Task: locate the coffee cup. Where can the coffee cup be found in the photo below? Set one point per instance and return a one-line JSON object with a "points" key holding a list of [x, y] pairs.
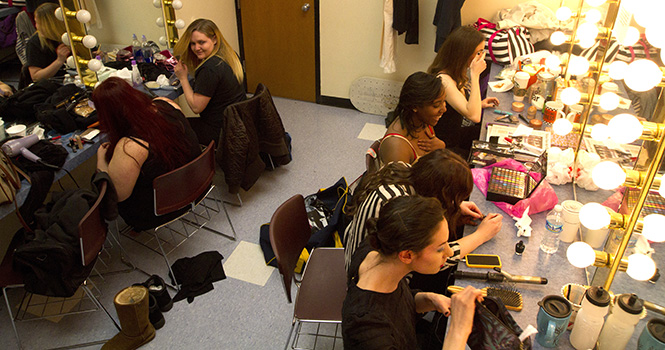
{"points": [[521, 81], [574, 293], [574, 113], [595, 238], [16, 130], [571, 220], [653, 335], [553, 111], [552, 319], [609, 87]]}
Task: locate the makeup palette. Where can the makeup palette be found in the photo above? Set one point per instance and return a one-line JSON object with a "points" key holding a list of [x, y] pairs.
{"points": [[511, 186]]}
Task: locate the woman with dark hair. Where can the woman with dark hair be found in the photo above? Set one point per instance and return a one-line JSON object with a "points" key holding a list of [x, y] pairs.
{"points": [[218, 76], [440, 174], [380, 310], [146, 138], [410, 135], [459, 63], [45, 54]]}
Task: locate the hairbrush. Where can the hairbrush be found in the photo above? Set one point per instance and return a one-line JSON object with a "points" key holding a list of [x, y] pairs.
{"points": [[512, 299]]}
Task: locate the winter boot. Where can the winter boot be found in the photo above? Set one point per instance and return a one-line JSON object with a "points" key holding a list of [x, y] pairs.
{"points": [[156, 317], [157, 287], [131, 305]]}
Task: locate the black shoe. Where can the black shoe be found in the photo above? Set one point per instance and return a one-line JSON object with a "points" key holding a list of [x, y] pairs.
{"points": [[156, 317], [157, 288]]}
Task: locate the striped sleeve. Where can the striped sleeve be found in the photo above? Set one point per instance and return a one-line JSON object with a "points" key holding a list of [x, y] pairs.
{"points": [[455, 258]]}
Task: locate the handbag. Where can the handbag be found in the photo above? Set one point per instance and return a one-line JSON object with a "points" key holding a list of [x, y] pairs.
{"points": [[494, 328], [9, 179], [504, 45], [616, 51]]}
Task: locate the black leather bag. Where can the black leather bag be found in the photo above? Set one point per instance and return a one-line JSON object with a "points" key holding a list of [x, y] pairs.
{"points": [[494, 328]]}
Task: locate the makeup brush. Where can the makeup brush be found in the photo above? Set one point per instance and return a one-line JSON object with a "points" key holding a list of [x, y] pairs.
{"points": [[511, 298]]}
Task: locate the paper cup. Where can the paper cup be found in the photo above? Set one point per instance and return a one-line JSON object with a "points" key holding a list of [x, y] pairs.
{"points": [[16, 130], [571, 220], [521, 83], [595, 238], [574, 293]]}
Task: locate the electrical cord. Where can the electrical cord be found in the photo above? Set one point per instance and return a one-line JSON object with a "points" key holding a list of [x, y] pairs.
{"points": [[55, 167]]}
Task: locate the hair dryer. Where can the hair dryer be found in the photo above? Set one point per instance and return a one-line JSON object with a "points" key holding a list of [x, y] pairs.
{"points": [[20, 146]]}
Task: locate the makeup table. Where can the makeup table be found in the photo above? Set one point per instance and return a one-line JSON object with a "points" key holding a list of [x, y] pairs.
{"points": [[534, 262]]}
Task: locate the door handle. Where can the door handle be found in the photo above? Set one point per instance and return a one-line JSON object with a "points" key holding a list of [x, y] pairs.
{"points": [[305, 7]]}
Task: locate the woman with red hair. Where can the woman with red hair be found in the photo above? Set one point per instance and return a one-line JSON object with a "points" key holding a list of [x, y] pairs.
{"points": [[146, 138]]}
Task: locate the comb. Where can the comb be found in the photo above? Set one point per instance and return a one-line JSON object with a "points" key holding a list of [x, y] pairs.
{"points": [[512, 299]]}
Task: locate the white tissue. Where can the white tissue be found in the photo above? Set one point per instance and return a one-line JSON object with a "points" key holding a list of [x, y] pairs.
{"points": [[124, 74], [163, 81], [528, 331], [523, 224]]}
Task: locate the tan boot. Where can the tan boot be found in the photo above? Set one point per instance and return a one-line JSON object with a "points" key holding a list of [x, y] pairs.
{"points": [[131, 304]]}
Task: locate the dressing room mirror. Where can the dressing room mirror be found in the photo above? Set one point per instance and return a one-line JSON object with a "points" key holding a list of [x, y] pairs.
{"points": [[122, 18]]}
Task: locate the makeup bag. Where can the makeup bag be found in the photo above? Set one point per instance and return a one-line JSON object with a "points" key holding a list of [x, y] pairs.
{"points": [[9, 180], [495, 328]]}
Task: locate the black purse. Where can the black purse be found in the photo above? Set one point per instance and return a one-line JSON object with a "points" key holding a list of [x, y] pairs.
{"points": [[494, 328]]}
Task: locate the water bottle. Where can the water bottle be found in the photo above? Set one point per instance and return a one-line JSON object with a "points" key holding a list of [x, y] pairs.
{"points": [[590, 318], [136, 75], [136, 49], [553, 227], [146, 49], [620, 324]]}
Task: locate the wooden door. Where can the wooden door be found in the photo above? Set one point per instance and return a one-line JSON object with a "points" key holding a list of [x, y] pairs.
{"points": [[279, 46]]}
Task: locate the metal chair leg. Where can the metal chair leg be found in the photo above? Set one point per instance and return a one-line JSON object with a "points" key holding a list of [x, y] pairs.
{"points": [[168, 264], [288, 340], [11, 317]]}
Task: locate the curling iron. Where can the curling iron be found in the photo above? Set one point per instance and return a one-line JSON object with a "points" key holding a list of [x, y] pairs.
{"points": [[20, 146], [500, 276]]}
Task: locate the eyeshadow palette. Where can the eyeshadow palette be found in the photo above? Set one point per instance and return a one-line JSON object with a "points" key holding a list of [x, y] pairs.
{"points": [[511, 186], [654, 204]]}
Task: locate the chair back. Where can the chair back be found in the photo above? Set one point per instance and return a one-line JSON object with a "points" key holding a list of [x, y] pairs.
{"points": [[93, 228], [182, 186], [289, 233]]}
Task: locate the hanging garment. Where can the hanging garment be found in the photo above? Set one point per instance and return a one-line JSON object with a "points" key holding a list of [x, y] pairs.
{"points": [[388, 39], [447, 17], [405, 19]]}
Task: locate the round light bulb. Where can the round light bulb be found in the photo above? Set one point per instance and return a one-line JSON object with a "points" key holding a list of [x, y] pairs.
{"points": [[562, 126], [58, 14], [162, 40], [640, 267], [648, 12], [643, 75], [595, 3], [563, 13], [600, 132], [587, 31], [95, 65], [71, 63], [157, 3], [557, 38], [570, 96], [594, 216], [586, 43], [65, 38], [609, 101], [624, 128], [580, 254], [160, 22], [631, 37], [618, 70], [654, 227], [592, 16], [655, 36], [83, 16], [180, 24], [177, 4], [608, 175], [89, 41], [578, 65], [553, 62]]}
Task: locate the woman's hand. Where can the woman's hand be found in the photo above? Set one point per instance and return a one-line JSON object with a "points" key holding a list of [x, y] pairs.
{"points": [[102, 164], [470, 209], [181, 71], [432, 144], [63, 52], [463, 305], [441, 303], [478, 65], [5, 90], [490, 102], [490, 226]]}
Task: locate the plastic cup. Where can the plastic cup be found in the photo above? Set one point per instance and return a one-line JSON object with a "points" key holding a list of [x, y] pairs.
{"points": [[17, 130]]}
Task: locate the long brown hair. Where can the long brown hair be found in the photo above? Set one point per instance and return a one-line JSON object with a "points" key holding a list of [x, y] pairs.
{"points": [[221, 49], [454, 55], [50, 28]]}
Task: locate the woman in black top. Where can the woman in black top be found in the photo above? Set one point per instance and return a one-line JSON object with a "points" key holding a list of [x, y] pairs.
{"points": [[218, 76], [45, 54], [380, 310], [146, 138]]}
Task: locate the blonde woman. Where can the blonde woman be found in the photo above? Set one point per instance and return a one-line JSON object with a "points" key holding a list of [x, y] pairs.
{"points": [[45, 54], [218, 76]]}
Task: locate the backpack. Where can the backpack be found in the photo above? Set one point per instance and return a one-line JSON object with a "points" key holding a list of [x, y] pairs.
{"points": [[62, 111]]}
